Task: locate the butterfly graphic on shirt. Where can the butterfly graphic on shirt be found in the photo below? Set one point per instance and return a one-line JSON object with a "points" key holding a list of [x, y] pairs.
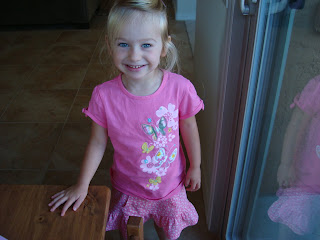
{"points": [[161, 157], [155, 181], [155, 130]]}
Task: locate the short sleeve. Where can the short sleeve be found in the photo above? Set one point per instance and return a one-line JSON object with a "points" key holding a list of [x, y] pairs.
{"points": [[309, 99], [191, 103], [96, 110]]}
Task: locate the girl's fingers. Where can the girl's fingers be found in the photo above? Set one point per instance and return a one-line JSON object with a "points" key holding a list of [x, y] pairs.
{"points": [[57, 194], [78, 203], [66, 206], [57, 204], [57, 198], [191, 187], [194, 186], [187, 182]]}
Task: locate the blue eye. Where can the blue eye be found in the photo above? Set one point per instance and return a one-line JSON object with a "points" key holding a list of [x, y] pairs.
{"points": [[146, 45], [123, 45]]}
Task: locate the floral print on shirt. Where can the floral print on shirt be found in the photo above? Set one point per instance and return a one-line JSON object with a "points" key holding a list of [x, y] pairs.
{"points": [[161, 133]]}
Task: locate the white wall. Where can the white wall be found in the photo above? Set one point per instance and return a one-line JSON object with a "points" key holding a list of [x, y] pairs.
{"points": [[185, 9], [209, 42]]}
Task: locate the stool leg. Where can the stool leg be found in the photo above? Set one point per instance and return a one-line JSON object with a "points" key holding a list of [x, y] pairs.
{"points": [[135, 228]]}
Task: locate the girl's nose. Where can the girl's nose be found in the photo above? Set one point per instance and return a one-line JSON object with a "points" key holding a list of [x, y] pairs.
{"points": [[134, 54]]}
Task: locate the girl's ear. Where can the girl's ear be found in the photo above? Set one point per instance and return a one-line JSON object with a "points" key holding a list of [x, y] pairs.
{"points": [[165, 47]]}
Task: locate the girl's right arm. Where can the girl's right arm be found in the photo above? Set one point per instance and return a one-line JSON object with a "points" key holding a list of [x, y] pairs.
{"points": [[94, 153]]}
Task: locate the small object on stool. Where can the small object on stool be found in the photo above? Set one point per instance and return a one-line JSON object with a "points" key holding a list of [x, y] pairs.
{"points": [[135, 228]]}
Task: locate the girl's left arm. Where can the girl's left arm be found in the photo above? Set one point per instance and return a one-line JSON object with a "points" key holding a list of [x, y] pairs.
{"points": [[190, 135]]}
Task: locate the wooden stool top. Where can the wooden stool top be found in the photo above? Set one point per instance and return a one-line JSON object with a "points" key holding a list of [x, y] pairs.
{"points": [[25, 214]]}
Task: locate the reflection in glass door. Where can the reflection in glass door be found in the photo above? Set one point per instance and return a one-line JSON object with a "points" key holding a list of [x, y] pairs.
{"points": [[277, 187]]}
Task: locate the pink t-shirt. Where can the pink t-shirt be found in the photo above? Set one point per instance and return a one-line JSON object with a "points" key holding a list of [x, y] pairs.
{"points": [[148, 159], [307, 157]]}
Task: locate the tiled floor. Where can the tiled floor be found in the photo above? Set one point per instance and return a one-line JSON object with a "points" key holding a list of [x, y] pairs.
{"points": [[46, 78]]}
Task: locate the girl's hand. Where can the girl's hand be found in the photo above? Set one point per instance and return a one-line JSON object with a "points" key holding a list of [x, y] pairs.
{"points": [[193, 179], [73, 194], [286, 176]]}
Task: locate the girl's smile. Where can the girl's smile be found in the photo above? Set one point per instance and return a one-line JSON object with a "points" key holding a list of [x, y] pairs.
{"points": [[135, 67]]}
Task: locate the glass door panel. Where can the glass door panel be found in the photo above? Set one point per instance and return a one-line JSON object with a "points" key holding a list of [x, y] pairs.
{"points": [[277, 189]]}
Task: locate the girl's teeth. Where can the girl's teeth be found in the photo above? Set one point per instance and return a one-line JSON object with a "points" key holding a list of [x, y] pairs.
{"points": [[135, 66]]}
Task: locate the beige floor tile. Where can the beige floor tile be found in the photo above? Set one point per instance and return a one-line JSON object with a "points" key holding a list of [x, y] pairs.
{"points": [[178, 31], [97, 73], [16, 55], [37, 39], [20, 177], [200, 230], [79, 37], [54, 177], [40, 106], [71, 54], [149, 231], [13, 77], [27, 145], [113, 235], [71, 147], [101, 54], [102, 177], [6, 97], [81, 101], [56, 76], [186, 61], [67, 178], [6, 39], [185, 53]]}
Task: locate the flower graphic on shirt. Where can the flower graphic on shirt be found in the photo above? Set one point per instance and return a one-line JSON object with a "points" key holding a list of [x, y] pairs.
{"points": [[171, 137], [154, 187], [175, 126], [158, 165], [161, 131], [161, 171], [148, 165], [170, 113], [161, 141]]}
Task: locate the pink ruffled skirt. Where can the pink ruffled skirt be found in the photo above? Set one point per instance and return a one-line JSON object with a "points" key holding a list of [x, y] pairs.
{"points": [[173, 214], [298, 209]]}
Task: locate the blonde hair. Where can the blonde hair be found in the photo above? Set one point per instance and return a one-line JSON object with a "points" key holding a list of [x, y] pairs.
{"points": [[123, 10]]}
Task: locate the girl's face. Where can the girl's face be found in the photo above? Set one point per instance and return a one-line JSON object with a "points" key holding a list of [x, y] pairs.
{"points": [[137, 50]]}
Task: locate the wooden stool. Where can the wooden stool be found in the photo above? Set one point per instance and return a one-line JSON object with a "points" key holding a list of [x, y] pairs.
{"points": [[25, 214], [135, 228]]}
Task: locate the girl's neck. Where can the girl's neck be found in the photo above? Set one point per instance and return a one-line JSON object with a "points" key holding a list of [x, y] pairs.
{"points": [[143, 87]]}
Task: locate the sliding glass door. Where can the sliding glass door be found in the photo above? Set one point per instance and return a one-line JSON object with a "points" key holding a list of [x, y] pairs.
{"points": [[276, 192]]}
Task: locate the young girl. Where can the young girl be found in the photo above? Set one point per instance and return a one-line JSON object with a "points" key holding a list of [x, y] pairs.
{"points": [[142, 111], [298, 205]]}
